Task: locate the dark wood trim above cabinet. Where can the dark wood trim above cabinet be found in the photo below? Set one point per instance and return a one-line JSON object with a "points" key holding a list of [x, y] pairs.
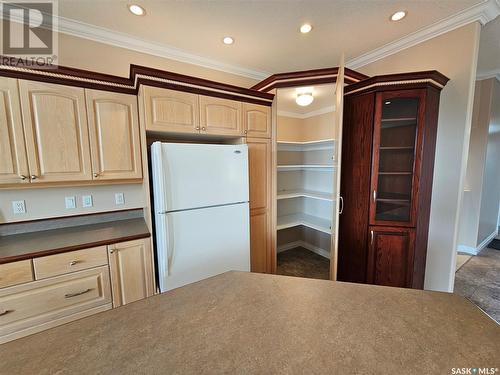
{"points": [[139, 75], [424, 79], [307, 77]]}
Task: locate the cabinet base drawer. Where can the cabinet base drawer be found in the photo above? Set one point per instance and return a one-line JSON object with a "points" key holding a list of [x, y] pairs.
{"points": [[35, 306], [15, 273], [60, 264]]}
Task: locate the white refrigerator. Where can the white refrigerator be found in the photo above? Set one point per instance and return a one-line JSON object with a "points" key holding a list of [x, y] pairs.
{"points": [[201, 211]]}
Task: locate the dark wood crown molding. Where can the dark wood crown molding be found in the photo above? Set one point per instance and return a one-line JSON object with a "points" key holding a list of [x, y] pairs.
{"points": [[139, 75], [307, 77], [391, 81]]}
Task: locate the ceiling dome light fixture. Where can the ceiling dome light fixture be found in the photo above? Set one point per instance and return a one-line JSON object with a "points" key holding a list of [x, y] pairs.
{"points": [[228, 40], [304, 96], [136, 9], [398, 16], [305, 28]]}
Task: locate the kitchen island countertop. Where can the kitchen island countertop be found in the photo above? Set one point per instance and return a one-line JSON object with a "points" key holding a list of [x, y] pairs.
{"points": [[241, 322]]}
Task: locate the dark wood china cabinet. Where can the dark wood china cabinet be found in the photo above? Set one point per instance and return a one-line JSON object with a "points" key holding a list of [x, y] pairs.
{"points": [[388, 146]]}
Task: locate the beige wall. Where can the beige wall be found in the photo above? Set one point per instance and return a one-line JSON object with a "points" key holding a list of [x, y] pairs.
{"points": [[490, 195], [455, 55], [471, 203], [86, 54], [291, 129]]}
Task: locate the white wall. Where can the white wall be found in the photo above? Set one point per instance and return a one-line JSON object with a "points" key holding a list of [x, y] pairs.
{"points": [[455, 55], [471, 204], [490, 196]]}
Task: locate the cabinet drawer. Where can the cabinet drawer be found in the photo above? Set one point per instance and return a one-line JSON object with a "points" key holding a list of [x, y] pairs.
{"points": [[15, 273], [35, 306], [59, 264]]}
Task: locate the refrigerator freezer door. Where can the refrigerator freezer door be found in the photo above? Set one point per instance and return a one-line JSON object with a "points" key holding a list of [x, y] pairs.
{"points": [[198, 175], [202, 243]]}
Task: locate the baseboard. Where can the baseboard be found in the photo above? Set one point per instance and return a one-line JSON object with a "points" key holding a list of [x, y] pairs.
{"points": [[291, 245], [475, 250]]}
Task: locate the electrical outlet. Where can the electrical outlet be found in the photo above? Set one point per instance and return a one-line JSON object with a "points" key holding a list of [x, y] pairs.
{"points": [[18, 207], [70, 202], [119, 198], [87, 201]]}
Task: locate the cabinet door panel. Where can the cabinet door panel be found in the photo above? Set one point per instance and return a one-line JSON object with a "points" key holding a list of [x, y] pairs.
{"points": [[55, 126], [171, 111], [397, 141], [259, 169], [220, 116], [13, 162], [114, 135], [259, 241], [257, 120], [131, 270], [390, 256], [259, 164]]}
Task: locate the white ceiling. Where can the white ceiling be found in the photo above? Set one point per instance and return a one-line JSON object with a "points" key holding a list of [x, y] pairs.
{"points": [[323, 98], [266, 34]]}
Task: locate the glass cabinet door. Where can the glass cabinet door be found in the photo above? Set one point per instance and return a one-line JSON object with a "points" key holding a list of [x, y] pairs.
{"points": [[394, 160]]}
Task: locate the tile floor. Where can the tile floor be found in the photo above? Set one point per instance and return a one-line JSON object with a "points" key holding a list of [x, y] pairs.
{"points": [[479, 281], [301, 262]]}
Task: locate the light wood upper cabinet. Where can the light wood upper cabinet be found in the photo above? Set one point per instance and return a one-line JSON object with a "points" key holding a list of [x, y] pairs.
{"points": [[114, 135], [220, 116], [257, 120], [171, 111], [131, 270], [13, 162], [55, 127]]}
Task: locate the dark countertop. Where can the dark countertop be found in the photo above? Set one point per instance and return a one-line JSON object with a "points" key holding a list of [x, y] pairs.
{"points": [[35, 244], [252, 323]]}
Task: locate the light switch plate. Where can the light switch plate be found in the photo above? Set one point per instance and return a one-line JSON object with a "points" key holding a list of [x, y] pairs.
{"points": [[18, 207], [119, 198], [70, 202], [87, 201]]}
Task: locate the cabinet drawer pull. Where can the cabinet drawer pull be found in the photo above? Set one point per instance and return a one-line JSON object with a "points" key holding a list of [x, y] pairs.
{"points": [[6, 312], [374, 195], [371, 237], [70, 295], [73, 262]]}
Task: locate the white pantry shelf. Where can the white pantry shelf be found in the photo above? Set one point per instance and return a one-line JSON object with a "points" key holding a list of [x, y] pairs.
{"points": [[289, 221], [287, 194], [322, 144], [298, 167]]}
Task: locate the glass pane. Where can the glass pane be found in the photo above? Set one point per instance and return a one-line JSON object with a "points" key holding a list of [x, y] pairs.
{"points": [[396, 157]]}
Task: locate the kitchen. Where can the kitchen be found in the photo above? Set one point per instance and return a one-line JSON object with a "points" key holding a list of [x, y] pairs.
{"points": [[139, 211]]}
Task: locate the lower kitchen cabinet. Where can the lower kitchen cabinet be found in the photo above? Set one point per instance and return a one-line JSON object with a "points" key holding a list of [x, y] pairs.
{"points": [[131, 270], [390, 256], [33, 307]]}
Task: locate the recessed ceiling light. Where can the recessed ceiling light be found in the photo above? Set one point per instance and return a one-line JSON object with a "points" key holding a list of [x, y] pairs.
{"points": [[305, 28], [136, 9], [399, 15], [304, 96], [228, 40]]}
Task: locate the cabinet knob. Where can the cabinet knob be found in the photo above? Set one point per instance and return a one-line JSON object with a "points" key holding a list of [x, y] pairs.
{"points": [[203, 128], [96, 174], [23, 177], [111, 251], [33, 177], [197, 128], [246, 131]]}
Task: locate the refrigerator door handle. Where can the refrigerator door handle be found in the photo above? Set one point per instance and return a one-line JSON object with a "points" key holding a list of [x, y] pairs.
{"points": [[170, 245]]}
